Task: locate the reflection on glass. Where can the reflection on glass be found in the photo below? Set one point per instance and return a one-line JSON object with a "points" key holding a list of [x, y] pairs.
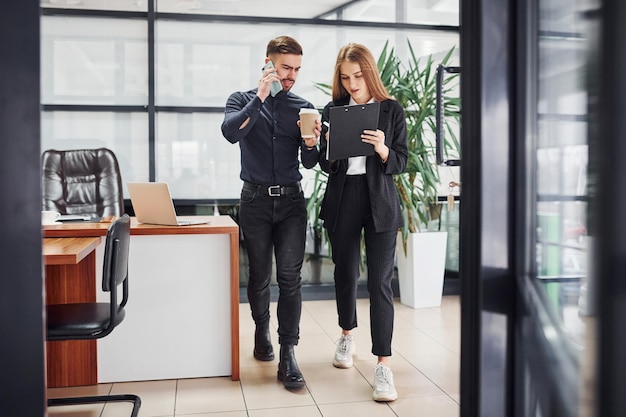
{"points": [[562, 158], [562, 242], [450, 223]]}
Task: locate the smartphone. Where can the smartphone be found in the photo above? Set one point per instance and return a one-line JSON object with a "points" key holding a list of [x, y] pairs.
{"points": [[275, 86]]}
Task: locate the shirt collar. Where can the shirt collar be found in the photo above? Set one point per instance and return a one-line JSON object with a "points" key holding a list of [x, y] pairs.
{"points": [[352, 102]]}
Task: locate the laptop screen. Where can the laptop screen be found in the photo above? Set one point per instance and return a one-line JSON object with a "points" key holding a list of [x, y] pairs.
{"points": [[152, 203]]}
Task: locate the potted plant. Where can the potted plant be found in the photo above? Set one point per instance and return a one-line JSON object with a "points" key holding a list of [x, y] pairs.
{"points": [[414, 86], [316, 225], [421, 256]]}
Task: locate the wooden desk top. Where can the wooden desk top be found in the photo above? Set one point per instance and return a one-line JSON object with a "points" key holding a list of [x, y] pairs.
{"points": [[68, 250], [215, 225]]}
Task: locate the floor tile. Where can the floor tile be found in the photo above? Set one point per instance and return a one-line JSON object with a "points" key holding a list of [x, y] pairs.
{"points": [[219, 414], [425, 364], [422, 317], [90, 410], [408, 380], [442, 368], [450, 337], [416, 343], [357, 409], [433, 406], [157, 397], [309, 411], [246, 350], [319, 349], [117, 409], [100, 389], [261, 389], [87, 410], [330, 385], [206, 395]]}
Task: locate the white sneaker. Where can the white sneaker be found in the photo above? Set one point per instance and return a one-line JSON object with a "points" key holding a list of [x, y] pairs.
{"points": [[383, 384], [343, 353]]}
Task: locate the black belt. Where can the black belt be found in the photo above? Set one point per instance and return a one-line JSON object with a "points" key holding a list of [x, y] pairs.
{"points": [[356, 178], [273, 190]]}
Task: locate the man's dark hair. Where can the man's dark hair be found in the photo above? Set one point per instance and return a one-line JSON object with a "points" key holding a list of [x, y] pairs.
{"points": [[283, 45]]}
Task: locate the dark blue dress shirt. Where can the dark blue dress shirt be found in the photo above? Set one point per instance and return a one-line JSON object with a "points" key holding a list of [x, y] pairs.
{"points": [[271, 139]]}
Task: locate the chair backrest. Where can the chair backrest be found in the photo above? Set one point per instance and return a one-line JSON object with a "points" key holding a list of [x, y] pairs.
{"points": [[115, 264], [93, 320], [82, 181]]}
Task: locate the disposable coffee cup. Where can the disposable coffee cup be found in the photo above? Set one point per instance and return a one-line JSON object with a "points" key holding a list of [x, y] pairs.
{"points": [[49, 217], [307, 122]]}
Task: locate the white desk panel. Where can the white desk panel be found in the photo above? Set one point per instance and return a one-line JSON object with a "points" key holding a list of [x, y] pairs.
{"points": [[177, 322]]}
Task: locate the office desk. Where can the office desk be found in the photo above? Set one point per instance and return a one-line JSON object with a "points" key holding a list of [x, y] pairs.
{"points": [[183, 306], [70, 277]]}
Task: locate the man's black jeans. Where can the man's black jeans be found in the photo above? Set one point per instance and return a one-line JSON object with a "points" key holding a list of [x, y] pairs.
{"points": [[275, 223]]}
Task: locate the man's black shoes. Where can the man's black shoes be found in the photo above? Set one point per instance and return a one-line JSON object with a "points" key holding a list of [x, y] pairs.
{"points": [[288, 372], [263, 350]]}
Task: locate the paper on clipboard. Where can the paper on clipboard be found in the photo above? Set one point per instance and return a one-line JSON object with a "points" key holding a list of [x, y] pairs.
{"points": [[347, 124]]}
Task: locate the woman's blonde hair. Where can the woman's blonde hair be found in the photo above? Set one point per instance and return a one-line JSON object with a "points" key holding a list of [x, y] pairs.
{"points": [[357, 53]]}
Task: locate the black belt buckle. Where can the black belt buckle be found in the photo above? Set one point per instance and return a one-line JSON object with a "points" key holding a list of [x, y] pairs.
{"points": [[274, 190]]}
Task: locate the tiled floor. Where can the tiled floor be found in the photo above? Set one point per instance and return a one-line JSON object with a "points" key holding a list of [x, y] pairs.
{"points": [[425, 363]]}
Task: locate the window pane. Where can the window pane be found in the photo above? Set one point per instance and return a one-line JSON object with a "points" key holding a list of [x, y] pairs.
{"points": [[562, 239], [562, 160], [194, 158], [85, 62], [201, 63], [562, 171], [124, 133], [198, 162]]}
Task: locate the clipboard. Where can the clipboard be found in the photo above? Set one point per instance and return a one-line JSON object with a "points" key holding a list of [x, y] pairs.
{"points": [[347, 123]]}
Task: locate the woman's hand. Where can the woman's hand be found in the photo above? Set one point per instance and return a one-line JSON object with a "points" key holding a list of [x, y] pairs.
{"points": [[377, 139]]}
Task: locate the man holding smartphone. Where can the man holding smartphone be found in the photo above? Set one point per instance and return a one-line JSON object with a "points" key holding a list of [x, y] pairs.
{"points": [[272, 216]]}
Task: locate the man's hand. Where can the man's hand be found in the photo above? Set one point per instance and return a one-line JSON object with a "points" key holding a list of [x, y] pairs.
{"points": [[266, 79]]}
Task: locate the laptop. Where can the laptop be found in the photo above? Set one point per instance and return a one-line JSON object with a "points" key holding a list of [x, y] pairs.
{"points": [[153, 204]]}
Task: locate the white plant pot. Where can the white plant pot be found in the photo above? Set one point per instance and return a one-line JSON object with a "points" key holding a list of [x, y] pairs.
{"points": [[420, 274]]}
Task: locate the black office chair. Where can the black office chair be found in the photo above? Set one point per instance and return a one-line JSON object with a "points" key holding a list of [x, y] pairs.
{"points": [[82, 181], [83, 321]]}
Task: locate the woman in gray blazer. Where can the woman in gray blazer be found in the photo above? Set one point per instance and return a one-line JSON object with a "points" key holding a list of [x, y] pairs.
{"points": [[361, 196]]}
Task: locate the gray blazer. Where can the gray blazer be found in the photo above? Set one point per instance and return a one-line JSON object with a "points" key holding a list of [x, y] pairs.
{"points": [[384, 202]]}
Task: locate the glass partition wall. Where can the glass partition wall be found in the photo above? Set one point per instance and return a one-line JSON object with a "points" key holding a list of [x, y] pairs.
{"points": [[528, 345], [561, 160], [557, 369], [149, 80]]}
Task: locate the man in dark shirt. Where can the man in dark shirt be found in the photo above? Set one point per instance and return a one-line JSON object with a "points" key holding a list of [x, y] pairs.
{"points": [[272, 216]]}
